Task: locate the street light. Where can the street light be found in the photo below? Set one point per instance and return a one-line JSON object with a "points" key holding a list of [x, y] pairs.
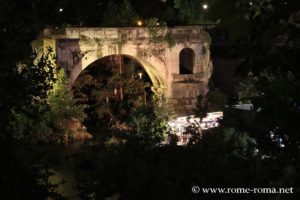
{"points": [[140, 75], [139, 23], [61, 9], [205, 6]]}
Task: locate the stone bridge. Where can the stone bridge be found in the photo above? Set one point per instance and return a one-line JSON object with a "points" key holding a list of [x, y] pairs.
{"points": [[176, 59]]}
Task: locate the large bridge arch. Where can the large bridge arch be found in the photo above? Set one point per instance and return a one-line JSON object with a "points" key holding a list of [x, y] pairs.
{"points": [[159, 54], [159, 85]]}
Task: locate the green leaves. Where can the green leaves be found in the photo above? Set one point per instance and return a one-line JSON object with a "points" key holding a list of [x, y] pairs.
{"points": [[149, 124], [190, 11], [62, 105], [259, 31], [119, 14], [177, 3], [240, 143], [48, 103], [39, 76]]}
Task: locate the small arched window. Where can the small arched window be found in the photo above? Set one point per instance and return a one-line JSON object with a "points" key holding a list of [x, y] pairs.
{"points": [[186, 61]]}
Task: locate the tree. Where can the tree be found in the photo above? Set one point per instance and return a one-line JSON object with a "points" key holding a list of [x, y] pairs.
{"points": [[263, 33], [25, 119], [278, 97], [49, 105], [101, 86], [190, 11], [131, 171], [119, 14], [149, 123], [62, 105]]}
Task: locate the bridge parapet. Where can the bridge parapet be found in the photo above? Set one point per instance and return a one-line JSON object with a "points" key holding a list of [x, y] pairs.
{"points": [[186, 33]]}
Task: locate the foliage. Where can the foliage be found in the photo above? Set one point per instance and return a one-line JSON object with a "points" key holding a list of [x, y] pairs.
{"points": [[246, 88], [278, 97], [28, 122], [62, 106], [51, 103], [119, 14], [274, 96], [39, 76], [28, 84], [214, 100], [29, 126], [170, 40], [61, 102], [23, 178], [269, 26], [273, 123], [190, 11], [272, 86], [201, 107], [155, 31], [131, 171], [25, 82], [109, 95], [265, 34], [240, 143], [149, 123]]}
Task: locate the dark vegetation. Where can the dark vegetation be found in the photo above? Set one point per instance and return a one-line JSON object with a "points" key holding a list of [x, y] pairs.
{"points": [[264, 36], [112, 88]]}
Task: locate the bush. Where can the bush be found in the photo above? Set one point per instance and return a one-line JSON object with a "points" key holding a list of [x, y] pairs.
{"points": [[149, 123], [42, 121]]}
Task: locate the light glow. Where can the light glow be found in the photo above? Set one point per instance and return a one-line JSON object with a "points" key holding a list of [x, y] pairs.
{"points": [[139, 23], [204, 6], [179, 125], [140, 75]]}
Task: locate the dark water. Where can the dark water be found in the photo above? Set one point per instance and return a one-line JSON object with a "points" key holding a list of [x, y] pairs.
{"points": [[63, 170], [57, 158]]}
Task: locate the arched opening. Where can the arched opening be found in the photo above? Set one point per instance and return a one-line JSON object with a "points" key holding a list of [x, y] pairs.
{"points": [[186, 61], [112, 86]]}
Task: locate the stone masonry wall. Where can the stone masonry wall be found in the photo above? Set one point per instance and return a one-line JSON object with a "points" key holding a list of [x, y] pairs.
{"points": [[157, 50]]}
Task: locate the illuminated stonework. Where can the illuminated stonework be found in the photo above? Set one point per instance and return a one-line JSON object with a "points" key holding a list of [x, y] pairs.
{"points": [[157, 50]]}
